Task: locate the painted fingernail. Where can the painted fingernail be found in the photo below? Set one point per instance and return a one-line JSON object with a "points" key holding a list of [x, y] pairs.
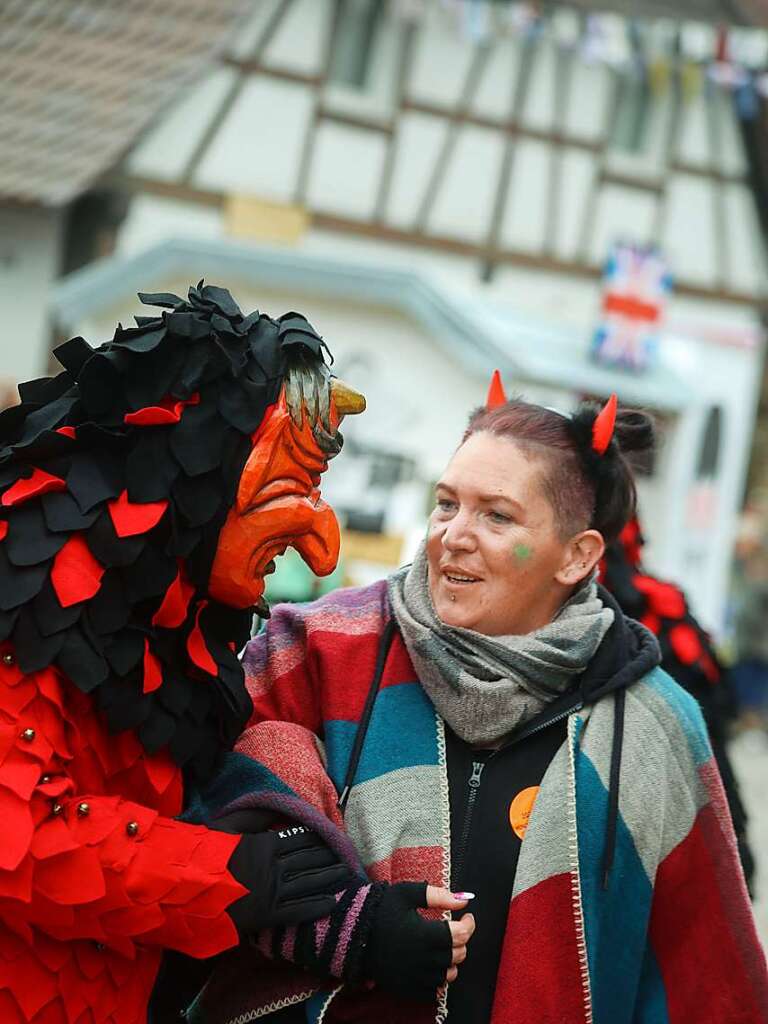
{"points": [[463, 895]]}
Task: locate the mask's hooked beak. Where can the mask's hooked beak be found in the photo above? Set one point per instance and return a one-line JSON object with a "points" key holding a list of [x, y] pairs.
{"points": [[345, 401]]}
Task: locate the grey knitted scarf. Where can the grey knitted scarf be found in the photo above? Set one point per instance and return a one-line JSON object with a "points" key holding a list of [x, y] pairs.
{"points": [[485, 686]]}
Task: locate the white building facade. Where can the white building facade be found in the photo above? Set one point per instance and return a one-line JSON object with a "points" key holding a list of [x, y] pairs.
{"points": [[440, 200]]}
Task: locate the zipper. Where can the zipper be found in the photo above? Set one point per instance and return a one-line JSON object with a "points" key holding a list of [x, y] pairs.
{"points": [[474, 785], [476, 777], [525, 733]]}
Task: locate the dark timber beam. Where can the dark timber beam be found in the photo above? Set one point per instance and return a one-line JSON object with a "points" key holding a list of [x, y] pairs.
{"points": [[439, 243]]}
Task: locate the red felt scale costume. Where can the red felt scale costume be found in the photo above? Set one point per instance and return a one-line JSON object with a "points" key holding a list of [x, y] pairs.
{"points": [[119, 682], [96, 878]]}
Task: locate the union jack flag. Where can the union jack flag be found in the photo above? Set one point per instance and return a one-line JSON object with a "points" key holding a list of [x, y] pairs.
{"points": [[636, 284]]}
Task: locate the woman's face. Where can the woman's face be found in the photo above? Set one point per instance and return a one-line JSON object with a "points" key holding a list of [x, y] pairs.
{"points": [[497, 563]]}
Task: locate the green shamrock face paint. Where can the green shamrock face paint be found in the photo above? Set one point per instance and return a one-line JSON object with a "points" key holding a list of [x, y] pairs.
{"points": [[522, 552]]}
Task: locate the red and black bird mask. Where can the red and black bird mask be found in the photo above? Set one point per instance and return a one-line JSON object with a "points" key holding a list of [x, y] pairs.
{"points": [[144, 492]]}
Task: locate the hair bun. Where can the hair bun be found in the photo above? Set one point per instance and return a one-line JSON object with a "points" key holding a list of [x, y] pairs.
{"points": [[635, 431]]}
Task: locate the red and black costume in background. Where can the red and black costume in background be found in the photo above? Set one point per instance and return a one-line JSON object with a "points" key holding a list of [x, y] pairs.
{"points": [[687, 655], [119, 677]]}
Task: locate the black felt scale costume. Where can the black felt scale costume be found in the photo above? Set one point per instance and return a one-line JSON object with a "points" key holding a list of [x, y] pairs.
{"points": [[118, 671]]}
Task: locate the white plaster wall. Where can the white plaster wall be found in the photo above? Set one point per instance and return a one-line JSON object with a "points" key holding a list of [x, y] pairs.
{"points": [[151, 220], [441, 60], [693, 142], [539, 108], [419, 139], [346, 170], [622, 215], [164, 151], [494, 90], [525, 218], [258, 146], [29, 261], [464, 204], [300, 40]]}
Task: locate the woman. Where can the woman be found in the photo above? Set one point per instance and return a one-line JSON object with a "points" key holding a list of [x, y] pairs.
{"points": [[493, 727]]}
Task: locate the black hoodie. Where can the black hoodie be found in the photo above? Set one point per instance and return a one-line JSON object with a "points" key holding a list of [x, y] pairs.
{"points": [[484, 784]]}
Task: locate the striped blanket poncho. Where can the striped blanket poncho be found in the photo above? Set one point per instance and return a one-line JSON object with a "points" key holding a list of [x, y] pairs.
{"points": [[671, 940]]}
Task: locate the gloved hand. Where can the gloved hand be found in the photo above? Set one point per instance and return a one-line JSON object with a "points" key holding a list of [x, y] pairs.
{"points": [[374, 933], [290, 873], [406, 953]]}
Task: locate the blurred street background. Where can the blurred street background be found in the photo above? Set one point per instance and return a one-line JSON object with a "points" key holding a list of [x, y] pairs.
{"points": [[576, 194], [751, 765]]}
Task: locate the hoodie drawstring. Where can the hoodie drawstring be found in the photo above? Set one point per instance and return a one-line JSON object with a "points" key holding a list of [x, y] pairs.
{"points": [[365, 719]]}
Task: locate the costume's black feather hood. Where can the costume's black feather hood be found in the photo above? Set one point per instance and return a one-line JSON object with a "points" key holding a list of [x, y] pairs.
{"points": [[116, 477]]}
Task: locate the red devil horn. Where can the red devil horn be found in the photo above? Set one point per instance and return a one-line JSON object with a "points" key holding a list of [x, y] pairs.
{"points": [[496, 396], [602, 428]]}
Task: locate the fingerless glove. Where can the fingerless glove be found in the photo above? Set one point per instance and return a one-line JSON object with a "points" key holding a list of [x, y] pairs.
{"points": [[374, 933], [406, 953]]}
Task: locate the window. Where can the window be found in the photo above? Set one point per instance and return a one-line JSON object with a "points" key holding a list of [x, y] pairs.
{"points": [[387, 470], [629, 131], [709, 453], [356, 27]]}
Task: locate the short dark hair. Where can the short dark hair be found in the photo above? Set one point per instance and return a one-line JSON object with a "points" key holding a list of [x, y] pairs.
{"points": [[580, 498]]}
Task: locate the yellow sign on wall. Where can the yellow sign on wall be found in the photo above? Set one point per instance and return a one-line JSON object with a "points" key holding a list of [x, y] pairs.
{"points": [[260, 220]]}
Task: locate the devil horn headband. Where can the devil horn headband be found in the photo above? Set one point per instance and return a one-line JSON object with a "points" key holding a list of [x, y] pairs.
{"points": [[496, 395], [602, 429]]}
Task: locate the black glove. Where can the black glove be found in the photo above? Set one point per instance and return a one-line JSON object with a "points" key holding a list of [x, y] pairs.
{"points": [[374, 933], [405, 953], [291, 875]]}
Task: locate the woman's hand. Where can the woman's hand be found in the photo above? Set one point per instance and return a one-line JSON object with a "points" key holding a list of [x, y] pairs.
{"points": [[375, 934], [408, 954], [461, 930]]}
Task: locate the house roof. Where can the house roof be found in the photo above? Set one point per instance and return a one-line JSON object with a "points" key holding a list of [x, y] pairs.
{"points": [[81, 80], [479, 335]]}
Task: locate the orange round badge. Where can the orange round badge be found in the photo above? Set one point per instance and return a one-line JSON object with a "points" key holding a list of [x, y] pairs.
{"points": [[520, 810]]}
